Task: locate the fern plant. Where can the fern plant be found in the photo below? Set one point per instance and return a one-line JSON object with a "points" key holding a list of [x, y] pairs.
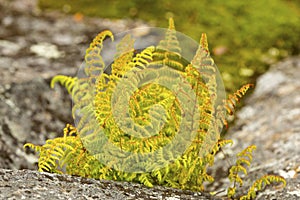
{"points": [[131, 123], [244, 159]]}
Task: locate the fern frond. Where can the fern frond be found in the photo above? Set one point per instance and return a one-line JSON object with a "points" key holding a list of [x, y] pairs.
{"points": [[142, 59], [260, 184], [231, 191], [203, 42], [58, 152], [36, 148], [123, 57], [243, 158], [98, 40], [158, 175], [54, 151], [124, 46], [69, 130], [168, 51], [247, 152], [170, 42], [221, 143], [144, 178], [221, 117], [233, 99], [202, 56], [93, 59], [66, 81]]}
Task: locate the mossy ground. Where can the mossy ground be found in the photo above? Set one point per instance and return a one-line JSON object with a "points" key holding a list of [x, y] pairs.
{"points": [[245, 37]]}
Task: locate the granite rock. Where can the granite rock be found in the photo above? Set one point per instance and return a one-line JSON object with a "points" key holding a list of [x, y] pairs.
{"points": [[27, 184]]}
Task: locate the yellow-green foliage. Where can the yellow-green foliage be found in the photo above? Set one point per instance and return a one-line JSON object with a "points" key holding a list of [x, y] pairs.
{"points": [[244, 159], [66, 81], [260, 183], [69, 153]]}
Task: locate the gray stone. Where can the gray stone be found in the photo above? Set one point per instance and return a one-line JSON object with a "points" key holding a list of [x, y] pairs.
{"points": [[8, 48], [46, 50], [26, 184]]}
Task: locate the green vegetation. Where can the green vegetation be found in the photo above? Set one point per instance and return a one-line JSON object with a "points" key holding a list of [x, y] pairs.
{"points": [[247, 36], [132, 127]]}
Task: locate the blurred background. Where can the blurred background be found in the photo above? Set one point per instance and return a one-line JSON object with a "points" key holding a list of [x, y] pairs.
{"points": [[245, 37]]}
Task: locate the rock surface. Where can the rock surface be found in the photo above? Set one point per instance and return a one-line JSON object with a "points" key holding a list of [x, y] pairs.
{"points": [[35, 46], [26, 184]]}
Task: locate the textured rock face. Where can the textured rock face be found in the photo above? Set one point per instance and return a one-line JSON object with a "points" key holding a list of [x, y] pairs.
{"points": [[26, 184], [31, 112]]}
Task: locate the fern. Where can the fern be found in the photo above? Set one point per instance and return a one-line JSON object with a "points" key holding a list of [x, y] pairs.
{"points": [[55, 153], [168, 51], [260, 183], [243, 158], [139, 116], [233, 99]]}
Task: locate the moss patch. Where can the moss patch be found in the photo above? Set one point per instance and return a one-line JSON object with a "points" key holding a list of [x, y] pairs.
{"points": [[245, 36]]}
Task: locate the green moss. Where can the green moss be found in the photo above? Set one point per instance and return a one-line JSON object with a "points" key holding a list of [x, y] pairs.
{"points": [[251, 34]]}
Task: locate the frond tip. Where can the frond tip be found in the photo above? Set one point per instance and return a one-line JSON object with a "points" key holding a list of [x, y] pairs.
{"points": [[66, 81], [203, 41], [98, 40], [171, 24], [232, 100]]}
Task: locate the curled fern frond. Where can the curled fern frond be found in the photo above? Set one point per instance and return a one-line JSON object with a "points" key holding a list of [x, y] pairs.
{"points": [[98, 40], [66, 81], [93, 59], [34, 147], [260, 184]]}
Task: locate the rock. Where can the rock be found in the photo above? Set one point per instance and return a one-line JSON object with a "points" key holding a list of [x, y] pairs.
{"points": [[8, 48], [46, 50], [26, 184]]}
